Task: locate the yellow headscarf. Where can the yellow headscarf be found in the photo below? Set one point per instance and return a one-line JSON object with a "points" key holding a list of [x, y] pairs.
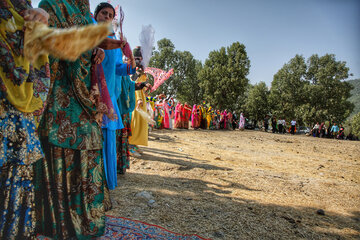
{"points": [[24, 67], [23, 84]]}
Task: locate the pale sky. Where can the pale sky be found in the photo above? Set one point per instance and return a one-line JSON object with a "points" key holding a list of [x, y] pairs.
{"points": [[273, 31]]}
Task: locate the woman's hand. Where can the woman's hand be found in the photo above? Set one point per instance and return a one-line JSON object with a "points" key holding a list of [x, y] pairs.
{"points": [[36, 15], [148, 86], [99, 55], [139, 103], [132, 62]]}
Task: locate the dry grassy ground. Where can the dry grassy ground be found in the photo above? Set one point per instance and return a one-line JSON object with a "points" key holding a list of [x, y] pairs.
{"points": [[244, 185]]}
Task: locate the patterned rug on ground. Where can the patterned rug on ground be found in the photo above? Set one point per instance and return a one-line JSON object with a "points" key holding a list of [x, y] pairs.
{"points": [[123, 228]]}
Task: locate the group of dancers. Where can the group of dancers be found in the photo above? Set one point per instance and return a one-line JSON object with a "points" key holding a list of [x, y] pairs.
{"points": [[168, 114], [69, 109]]}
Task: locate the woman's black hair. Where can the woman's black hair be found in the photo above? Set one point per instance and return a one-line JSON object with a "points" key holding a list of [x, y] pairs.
{"points": [[101, 6]]}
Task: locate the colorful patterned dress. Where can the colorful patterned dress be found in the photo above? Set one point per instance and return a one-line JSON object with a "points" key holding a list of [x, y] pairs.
{"points": [[70, 180], [23, 91], [122, 142], [179, 119], [158, 115], [194, 117], [186, 113]]}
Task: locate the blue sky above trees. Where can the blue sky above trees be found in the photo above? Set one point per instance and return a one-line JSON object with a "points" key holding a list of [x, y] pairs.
{"points": [[272, 31]]}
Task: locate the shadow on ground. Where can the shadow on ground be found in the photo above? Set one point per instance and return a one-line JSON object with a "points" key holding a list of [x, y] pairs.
{"points": [[160, 155], [195, 206]]}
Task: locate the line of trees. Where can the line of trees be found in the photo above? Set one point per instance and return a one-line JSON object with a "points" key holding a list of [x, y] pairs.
{"points": [[312, 90]]}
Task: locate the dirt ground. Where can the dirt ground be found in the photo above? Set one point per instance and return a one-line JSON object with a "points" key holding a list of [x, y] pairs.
{"points": [[244, 185]]}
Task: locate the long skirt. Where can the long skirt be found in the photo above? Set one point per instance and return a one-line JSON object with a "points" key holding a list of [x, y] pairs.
{"points": [[186, 122], [122, 142], [158, 120], [69, 193], [179, 123], [171, 123], [203, 123], [110, 157], [16, 202]]}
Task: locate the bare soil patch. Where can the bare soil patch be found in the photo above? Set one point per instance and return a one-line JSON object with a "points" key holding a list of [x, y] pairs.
{"points": [[244, 185]]}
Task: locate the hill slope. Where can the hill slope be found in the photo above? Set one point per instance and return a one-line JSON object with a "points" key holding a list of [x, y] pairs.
{"points": [[355, 98]]}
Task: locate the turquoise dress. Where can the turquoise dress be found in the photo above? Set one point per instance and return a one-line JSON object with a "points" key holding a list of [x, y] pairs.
{"points": [[126, 103], [70, 180], [114, 70]]}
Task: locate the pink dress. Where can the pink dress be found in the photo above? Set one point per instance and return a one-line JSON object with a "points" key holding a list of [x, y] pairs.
{"points": [[166, 115]]}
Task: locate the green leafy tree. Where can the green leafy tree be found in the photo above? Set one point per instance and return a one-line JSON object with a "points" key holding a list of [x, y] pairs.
{"points": [[313, 91], [184, 83], [190, 90], [328, 92], [257, 103], [355, 96], [164, 58], [287, 89], [355, 125], [224, 77]]}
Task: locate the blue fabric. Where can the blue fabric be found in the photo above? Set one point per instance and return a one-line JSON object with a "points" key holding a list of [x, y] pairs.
{"points": [[125, 89], [109, 155], [334, 128], [114, 71], [19, 148], [122, 69], [20, 143], [127, 97], [109, 65], [17, 194]]}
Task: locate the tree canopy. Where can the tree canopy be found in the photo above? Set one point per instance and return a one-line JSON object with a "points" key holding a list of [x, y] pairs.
{"points": [[310, 91], [184, 84], [355, 124], [224, 76], [257, 102], [355, 95]]}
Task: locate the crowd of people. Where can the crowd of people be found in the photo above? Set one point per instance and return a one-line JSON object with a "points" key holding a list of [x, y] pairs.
{"points": [[65, 119], [68, 125], [168, 114], [329, 130], [322, 130], [280, 125]]}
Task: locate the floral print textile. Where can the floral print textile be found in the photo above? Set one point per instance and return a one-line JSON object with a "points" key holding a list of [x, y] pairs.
{"points": [[70, 204], [122, 142], [70, 117], [16, 202], [70, 181], [23, 90]]}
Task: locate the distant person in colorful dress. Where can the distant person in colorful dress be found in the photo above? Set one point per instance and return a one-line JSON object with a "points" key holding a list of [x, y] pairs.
{"points": [[293, 126]]}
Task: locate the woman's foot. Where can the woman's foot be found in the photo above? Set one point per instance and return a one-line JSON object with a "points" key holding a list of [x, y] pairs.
{"points": [[134, 153]]}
